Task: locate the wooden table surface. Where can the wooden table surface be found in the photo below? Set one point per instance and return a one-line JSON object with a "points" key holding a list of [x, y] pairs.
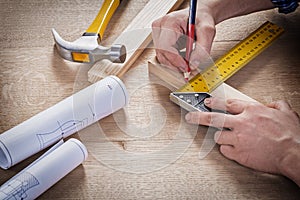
{"points": [[146, 150]]}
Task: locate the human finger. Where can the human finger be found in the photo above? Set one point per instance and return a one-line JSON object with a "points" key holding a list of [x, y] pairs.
{"points": [[280, 105], [225, 138], [165, 41], [168, 48], [205, 34], [228, 151], [233, 106], [170, 60], [156, 27], [218, 120]]}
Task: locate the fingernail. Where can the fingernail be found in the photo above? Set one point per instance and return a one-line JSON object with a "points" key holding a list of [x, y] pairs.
{"points": [[188, 117], [207, 101]]}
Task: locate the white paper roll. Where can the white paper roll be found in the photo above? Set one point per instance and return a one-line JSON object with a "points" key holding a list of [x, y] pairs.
{"points": [[45, 172], [61, 120]]}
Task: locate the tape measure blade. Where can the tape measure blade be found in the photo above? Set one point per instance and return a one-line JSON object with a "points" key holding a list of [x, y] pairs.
{"points": [[235, 59]]}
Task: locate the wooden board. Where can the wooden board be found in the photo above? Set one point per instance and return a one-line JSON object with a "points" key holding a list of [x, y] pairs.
{"points": [[34, 77], [176, 80], [135, 37]]}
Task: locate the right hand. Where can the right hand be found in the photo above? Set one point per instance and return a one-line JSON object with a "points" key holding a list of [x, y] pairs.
{"points": [[169, 37], [168, 31]]}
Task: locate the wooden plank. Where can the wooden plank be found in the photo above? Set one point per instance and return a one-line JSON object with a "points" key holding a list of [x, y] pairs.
{"points": [[34, 77], [135, 37], [176, 80]]}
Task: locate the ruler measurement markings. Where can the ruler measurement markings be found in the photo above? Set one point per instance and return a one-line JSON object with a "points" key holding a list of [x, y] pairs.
{"points": [[236, 58]]}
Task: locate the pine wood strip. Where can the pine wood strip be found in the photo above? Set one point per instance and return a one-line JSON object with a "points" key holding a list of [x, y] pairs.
{"points": [[176, 80], [135, 37]]}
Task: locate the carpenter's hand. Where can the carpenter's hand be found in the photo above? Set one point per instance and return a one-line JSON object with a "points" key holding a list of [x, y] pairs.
{"points": [[169, 31], [266, 138], [169, 37]]}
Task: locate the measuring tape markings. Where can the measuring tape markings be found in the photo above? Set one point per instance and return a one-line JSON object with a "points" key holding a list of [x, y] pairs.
{"points": [[240, 55]]}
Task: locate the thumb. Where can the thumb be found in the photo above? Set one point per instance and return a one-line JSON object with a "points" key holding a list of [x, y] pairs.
{"points": [[205, 35], [228, 151]]}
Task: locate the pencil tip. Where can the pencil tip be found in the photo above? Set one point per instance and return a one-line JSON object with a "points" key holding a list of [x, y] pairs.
{"points": [[186, 75]]}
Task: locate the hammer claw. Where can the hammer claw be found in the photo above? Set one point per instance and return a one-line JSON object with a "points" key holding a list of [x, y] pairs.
{"points": [[86, 48]]}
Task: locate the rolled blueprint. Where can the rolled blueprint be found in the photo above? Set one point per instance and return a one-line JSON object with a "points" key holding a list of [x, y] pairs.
{"points": [[61, 120], [45, 172]]}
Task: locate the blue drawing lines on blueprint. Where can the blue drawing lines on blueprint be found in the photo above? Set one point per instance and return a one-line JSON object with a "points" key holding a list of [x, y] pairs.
{"points": [[92, 111], [16, 188], [66, 128], [63, 129]]}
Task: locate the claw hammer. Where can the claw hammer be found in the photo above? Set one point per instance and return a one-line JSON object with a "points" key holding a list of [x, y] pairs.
{"points": [[87, 48]]}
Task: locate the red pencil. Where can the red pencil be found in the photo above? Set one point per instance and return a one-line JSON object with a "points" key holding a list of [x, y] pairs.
{"points": [[190, 36]]}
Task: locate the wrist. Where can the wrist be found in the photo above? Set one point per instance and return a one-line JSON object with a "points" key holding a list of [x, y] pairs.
{"points": [[225, 9], [289, 165]]}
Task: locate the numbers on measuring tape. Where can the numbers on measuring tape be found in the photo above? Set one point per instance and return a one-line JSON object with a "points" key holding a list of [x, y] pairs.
{"points": [[236, 58]]}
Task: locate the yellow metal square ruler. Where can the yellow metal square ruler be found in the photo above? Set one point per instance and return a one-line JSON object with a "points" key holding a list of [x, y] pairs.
{"points": [[191, 95]]}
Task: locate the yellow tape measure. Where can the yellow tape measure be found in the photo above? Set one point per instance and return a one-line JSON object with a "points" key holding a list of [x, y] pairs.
{"points": [[235, 59]]}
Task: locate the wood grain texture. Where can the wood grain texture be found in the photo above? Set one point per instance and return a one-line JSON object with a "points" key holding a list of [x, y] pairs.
{"points": [[135, 37], [33, 77]]}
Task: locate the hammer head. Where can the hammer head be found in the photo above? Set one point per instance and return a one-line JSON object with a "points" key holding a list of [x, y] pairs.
{"points": [[86, 49]]}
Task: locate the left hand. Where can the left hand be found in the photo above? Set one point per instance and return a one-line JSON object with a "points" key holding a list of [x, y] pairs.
{"points": [[260, 137]]}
